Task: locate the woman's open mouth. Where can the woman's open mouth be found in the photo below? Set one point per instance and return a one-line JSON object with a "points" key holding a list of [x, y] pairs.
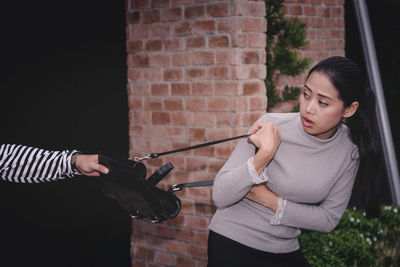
{"points": [[307, 122]]}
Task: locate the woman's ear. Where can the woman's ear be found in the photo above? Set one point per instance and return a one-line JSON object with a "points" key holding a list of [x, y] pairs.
{"points": [[350, 110]]}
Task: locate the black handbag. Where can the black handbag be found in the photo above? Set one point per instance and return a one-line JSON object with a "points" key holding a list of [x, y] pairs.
{"points": [[126, 183]]}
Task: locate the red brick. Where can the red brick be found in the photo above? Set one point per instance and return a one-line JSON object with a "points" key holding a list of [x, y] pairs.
{"points": [[144, 253], [133, 74], [204, 118], [202, 88], [197, 134], [134, 46], [182, 59], [139, 263], [251, 88], [218, 73], [199, 252], [224, 119], [204, 26], [218, 103], [177, 247], [227, 57], [139, 31], [185, 234], [218, 10], [160, 29], [182, 28], [150, 16], [165, 231], [181, 118], [309, 10], [135, 102], [195, 73], [172, 45], [195, 164], [218, 42], [139, 4], [139, 60], [194, 12], [173, 104], [153, 45], [294, 9], [337, 11], [195, 42], [195, 103], [160, 117], [165, 258], [180, 89], [159, 3], [185, 262], [172, 74], [204, 209], [258, 103], [253, 25], [205, 151], [250, 57], [203, 57], [202, 238], [152, 74], [226, 88], [227, 25], [257, 40], [132, 17], [160, 60], [171, 14], [256, 9], [154, 105], [330, 2], [323, 11]]}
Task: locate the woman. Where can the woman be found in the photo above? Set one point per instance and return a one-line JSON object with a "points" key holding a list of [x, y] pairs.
{"points": [[296, 170]]}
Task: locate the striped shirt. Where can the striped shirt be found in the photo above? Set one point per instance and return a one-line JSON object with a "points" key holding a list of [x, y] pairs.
{"points": [[23, 164]]}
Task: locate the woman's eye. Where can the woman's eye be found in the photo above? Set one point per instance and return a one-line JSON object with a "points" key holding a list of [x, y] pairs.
{"points": [[323, 104], [306, 96]]}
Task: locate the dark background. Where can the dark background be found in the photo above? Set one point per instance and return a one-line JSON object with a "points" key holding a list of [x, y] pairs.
{"points": [[384, 20], [63, 86]]}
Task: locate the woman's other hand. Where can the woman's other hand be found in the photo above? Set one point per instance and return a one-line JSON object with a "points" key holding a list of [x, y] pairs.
{"points": [[261, 194]]}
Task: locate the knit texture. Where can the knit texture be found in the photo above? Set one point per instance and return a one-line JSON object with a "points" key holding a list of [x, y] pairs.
{"points": [[314, 176]]}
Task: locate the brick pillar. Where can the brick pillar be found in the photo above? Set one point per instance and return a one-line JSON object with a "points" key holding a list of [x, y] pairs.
{"points": [[196, 71]]}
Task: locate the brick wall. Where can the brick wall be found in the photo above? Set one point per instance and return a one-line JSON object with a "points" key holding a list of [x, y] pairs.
{"points": [[325, 36], [195, 74]]}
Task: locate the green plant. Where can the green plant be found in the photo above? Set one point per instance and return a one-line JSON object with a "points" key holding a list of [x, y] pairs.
{"points": [[283, 38], [356, 241]]}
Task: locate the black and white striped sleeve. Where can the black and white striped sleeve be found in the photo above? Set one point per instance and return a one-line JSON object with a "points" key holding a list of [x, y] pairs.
{"points": [[23, 164]]}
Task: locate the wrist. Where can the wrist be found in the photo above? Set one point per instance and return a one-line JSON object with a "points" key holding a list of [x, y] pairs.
{"points": [[74, 159]]}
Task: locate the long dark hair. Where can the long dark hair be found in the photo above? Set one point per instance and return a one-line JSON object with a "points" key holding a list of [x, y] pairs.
{"points": [[351, 82]]}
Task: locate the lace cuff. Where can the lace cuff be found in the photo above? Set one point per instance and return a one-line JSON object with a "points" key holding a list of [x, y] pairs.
{"points": [[276, 219], [257, 178]]}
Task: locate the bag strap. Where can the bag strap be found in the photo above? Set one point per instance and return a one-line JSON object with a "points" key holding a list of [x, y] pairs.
{"points": [[179, 187], [163, 171], [156, 155]]}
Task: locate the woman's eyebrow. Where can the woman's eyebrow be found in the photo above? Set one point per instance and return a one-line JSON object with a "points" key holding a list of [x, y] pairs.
{"points": [[321, 95]]}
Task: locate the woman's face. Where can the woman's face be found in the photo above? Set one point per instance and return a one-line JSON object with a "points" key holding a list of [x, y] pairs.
{"points": [[321, 109]]}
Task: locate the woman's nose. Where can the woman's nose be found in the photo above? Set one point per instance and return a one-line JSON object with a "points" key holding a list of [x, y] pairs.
{"points": [[310, 108]]}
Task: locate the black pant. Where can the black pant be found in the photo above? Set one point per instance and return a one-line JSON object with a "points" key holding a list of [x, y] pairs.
{"points": [[223, 251]]}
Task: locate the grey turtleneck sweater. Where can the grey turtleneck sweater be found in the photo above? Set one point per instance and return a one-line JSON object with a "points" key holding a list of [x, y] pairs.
{"points": [[314, 177]]}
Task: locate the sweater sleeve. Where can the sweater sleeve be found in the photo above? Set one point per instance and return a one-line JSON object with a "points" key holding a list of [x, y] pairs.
{"points": [[23, 164], [325, 216]]}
